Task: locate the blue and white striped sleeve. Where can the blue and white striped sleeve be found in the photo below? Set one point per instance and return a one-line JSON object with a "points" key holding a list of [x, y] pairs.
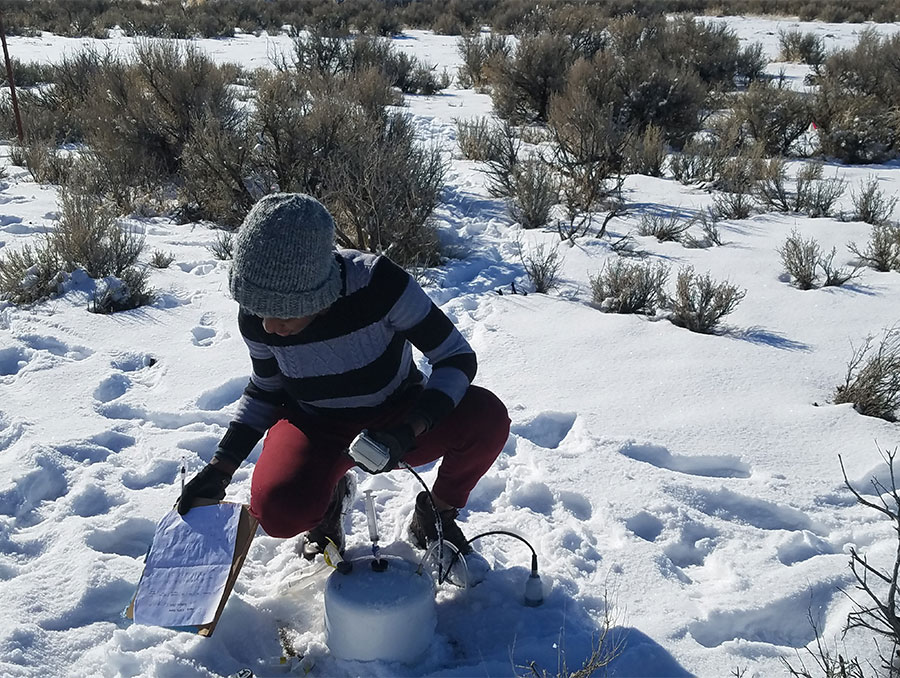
{"points": [[258, 406], [453, 362]]}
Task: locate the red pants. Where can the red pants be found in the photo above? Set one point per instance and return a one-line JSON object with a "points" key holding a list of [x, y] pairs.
{"points": [[304, 457]]}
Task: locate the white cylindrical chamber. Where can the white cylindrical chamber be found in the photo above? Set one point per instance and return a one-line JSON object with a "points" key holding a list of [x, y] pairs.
{"points": [[388, 615]]}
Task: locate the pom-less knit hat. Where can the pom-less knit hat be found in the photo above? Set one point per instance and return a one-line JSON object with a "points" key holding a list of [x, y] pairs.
{"points": [[284, 265]]}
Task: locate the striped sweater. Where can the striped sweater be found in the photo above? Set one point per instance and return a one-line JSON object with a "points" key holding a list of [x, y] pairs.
{"points": [[353, 357]]}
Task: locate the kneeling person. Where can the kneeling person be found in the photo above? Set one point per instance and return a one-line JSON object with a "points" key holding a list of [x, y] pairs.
{"points": [[330, 335]]}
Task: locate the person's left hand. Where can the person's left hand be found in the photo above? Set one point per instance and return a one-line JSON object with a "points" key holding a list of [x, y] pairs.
{"points": [[398, 440], [209, 484]]}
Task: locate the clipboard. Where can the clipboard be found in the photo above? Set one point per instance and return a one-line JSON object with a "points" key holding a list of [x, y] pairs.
{"points": [[246, 530]]}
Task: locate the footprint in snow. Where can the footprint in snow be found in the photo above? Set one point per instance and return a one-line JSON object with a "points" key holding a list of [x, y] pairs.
{"points": [[10, 432], [155, 473], [97, 448], [203, 336], [685, 545], [205, 333], [25, 492], [801, 546], [692, 544], [132, 362], [131, 537], [645, 525], [164, 420], [114, 386], [8, 220], [90, 501], [784, 622], [576, 504], [709, 466], [197, 267], [14, 359], [55, 347], [738, 508], [222, 395], [579, 545], [8, 571], [533, 495], [547, 429]]}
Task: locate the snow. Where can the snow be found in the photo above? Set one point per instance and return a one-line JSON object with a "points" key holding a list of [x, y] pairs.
{"points": [[685, 486]]}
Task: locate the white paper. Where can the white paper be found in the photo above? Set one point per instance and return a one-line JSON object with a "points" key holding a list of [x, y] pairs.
{"points": [[188, 566]]}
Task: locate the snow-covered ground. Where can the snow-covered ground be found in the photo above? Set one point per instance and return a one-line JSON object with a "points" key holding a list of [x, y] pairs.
{"points": [[690, 482]]}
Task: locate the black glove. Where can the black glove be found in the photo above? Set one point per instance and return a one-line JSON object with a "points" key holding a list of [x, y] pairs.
{"points": [[210, 483], [398, 440]]}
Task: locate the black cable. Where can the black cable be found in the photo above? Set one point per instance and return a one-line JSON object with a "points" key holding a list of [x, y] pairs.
{"points": [[441, 577], [437, 519], [534, 565]]}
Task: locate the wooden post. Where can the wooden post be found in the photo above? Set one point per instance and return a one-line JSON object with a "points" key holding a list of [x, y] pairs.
{"points": [[12, 82]]}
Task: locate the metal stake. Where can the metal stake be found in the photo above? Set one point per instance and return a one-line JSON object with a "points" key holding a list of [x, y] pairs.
{"points": [[12, 82]]}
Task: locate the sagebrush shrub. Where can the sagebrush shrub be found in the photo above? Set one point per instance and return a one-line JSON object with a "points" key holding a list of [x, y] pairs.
{"points": [[55, 113], [712, 50], [30, 274], [773, 116], [448, 24], [710, 235], [383, 188], [216, 166], [27, 74], [588, 150], [771, 188], [871, 205], [542, 263], [222, 248], [738, 173], [140, 115], [872, 381], [700, 160], [836, 276], [800, 258], [326, 55], [856, 98], [88, 236], [160, 259], [523, 84], [323, 51], [477, 51], [535, 192], [699, 302], [821, 196], [42, 160], [626, 287], [664, 228], [646, 153], [736, 205], [476, 138], [124, 292], [882, 252], [806, 48], [813, 195], [501, 152], [658, 94]]}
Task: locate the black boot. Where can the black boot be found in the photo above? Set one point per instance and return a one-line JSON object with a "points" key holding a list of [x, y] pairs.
{"points": [[332, 526], [423, 527]]}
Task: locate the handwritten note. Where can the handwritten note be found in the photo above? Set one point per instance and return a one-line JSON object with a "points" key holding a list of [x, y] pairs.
{"points": [[188, 566]]}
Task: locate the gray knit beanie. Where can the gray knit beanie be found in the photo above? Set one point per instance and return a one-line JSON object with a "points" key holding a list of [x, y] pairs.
{"points": [[284, 265]]}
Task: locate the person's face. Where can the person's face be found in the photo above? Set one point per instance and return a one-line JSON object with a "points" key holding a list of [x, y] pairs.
{"points": [[285, 327]]}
